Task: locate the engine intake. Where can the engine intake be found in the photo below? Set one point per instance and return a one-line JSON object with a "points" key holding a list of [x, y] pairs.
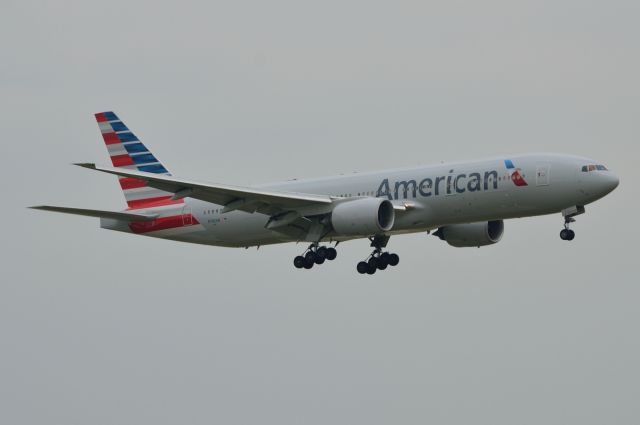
{"points": [[472, 234], [363, 217]]}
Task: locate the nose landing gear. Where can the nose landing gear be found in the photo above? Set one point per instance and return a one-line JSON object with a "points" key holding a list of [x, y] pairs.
{"points": [[567, 234]]}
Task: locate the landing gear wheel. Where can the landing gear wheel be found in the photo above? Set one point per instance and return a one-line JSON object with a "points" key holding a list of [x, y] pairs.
{"points": [[309, 259], [372, 265], [384, 257], [383, 261], [331, 254], [362, 267], [394, 259], [572, 235], [308, 263], [321, 253], [319, 259], [564, 234], [298, 262]]}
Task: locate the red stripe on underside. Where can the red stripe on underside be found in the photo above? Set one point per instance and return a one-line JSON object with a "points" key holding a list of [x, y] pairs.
{"points": [[100, 117], [153, 202], [110, 138], [131, 183], [163, 223], [121, 160]]}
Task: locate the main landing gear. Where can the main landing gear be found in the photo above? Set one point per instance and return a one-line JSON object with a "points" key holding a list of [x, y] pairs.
{"points": [[378, 260], [315, 254], [567, 234]]}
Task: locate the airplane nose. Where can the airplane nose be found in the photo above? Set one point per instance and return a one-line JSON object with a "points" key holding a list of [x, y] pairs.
{"points": [[609, 182]]}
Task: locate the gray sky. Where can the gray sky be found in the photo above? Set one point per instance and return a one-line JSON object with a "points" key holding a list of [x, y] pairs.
{"points": [[105, 328]]}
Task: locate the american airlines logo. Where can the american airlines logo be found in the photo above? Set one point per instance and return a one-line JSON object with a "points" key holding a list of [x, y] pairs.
{"points": [[516, 177], [449, 184]]}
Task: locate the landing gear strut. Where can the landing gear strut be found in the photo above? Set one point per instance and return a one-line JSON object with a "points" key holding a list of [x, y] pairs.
{"points": [[315, 254], [378, 260]]}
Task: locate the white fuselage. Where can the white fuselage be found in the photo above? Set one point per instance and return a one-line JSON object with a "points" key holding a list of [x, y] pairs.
{"points": [[434, 196]]}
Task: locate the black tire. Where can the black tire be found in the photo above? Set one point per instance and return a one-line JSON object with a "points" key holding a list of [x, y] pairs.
{"points": [[311, 256], [362, 267], [382, 265], [319, 259], [298, 262], [321, 252], [383, 260], [331, 254], [394, 259], [572, 235], [564, 234], [308, 263], [373, 263], [371, 269]]}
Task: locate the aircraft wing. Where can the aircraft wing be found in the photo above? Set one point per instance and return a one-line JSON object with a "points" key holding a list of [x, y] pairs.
{"points": [[232, 197]]}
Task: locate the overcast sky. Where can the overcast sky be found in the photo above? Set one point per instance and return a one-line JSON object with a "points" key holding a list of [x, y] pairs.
{"points": [[99, 327]]}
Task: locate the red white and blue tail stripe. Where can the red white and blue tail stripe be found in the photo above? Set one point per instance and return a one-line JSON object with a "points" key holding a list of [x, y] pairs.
{"points": [[126, 151]]}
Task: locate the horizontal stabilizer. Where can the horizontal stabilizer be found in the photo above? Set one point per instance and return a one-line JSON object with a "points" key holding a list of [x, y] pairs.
{"points": [[124, 216]]}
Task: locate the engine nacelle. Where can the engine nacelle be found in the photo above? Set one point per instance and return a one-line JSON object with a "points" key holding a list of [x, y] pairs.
{"points": [[363, 217], [472, 234]]}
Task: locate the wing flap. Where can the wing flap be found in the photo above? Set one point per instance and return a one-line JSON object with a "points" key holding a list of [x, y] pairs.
{"points": [[124, 216]]}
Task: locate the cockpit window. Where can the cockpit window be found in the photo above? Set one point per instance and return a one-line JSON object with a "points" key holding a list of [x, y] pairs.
{"points": [[593, 167]]}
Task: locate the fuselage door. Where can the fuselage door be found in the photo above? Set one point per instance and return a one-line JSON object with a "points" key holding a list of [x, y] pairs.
{"points": [[542, 175]]}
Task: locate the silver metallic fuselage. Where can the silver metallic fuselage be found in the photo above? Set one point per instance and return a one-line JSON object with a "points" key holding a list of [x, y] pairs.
{"points": [[434, 196]]}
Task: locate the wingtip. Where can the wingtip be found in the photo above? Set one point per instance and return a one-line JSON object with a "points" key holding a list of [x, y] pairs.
{"points": [[40, 207], [90, 165]]}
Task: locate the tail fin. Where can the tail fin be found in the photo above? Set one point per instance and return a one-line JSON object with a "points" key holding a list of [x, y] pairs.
{"points": [[126, 151]]}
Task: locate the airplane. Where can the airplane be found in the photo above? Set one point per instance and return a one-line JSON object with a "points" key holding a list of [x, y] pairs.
{"points": [[463, 203]]}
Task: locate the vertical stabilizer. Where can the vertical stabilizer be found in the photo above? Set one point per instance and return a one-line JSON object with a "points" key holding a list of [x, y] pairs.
{"points": [[126, 151]]}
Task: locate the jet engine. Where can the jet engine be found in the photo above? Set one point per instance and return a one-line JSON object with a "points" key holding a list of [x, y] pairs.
{"points": [[472, 234], [363, 217]]}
